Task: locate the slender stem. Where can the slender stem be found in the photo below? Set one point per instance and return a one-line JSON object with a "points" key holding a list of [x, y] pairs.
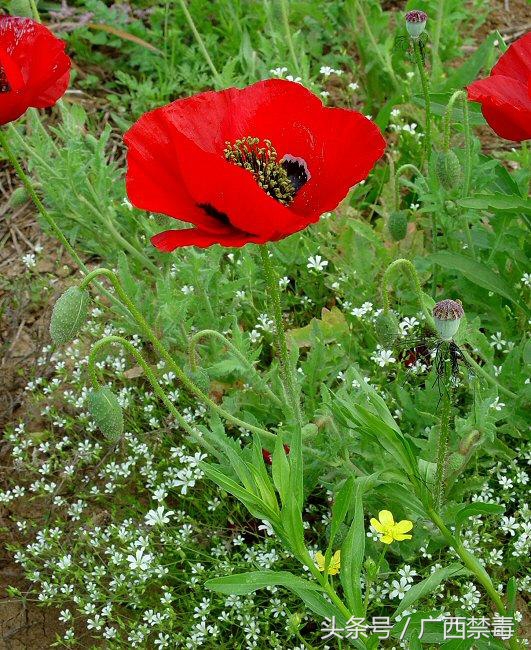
{"points": [[399, 172], [152, 337], [481, 371], [376, 48], [34, 11], [439, 18], [242, 358], [468, 146], [284, 360], [38, 204], [412, 272], [474, 566], [289, 38], [200, 42], [426, 93], [444, 438]]}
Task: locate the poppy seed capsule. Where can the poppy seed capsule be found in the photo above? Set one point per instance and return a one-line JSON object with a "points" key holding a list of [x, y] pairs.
{"points": [[386, 328], [416, 23], [397, 225], [69, 314], [448, 169], [107, 413], [447, 315]]}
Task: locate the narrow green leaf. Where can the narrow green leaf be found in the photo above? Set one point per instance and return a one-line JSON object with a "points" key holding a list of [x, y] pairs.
{"points": [[340, 507], [352, 555], [497, 202], [475, 509], [427, 586]]}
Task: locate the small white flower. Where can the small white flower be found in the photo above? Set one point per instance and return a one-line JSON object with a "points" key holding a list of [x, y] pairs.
{"points": [[158, 517], [317, 263], [526, 279], [497, 405], [383, 357], [353, 85], [29, 260], [278, 72], [399, 589], [497, 342]]}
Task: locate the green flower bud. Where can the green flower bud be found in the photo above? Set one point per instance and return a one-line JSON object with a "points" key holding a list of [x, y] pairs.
{"points": [[371, 570], [447, 315], [199, 377], [69, 314], [467, 443], [448, 169], [107, 413], [397, 224], [386, 328], [294, 622], [451, 207], [18, 197]]}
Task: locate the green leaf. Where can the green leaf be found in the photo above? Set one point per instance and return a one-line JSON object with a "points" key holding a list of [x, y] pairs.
{"points": [[340, 507], [470, 69], [497, 202], [475, 272], [242, 584], [511, 595], [352, 555], [427, 586], [475, 509], [280, 469], [439, 102]]}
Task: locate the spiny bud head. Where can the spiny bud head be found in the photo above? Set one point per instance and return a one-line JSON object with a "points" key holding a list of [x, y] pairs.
{"points": [[447, 314], [397, 224], [386, 328], [416, 22], [448, 169]]}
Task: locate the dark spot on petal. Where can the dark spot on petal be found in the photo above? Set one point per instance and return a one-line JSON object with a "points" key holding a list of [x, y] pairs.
{"points": [[215, 214], [4, 83], [297, 171]]}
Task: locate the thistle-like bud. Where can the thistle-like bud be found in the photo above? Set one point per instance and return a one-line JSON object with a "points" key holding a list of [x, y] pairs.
{"points": [[69, 314], [447, 315], [199, 377], [371, 569], [386, 328], [104, 408], [416, 23], [18, 197], [397, 224], [448, 169]]}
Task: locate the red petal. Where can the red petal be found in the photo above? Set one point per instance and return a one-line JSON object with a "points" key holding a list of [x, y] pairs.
{"points": [[516, 61], [505, 104], [42, 63], [171, 239]]}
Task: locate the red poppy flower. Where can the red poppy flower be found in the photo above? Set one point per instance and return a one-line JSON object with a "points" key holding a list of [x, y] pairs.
{"points": [[250, 165], [505, 96], [34, 69]]}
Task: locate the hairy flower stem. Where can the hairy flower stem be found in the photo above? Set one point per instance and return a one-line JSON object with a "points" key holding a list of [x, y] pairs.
{"points": [[447, 121], [474, 566], [286, 369], [166, 356], [491, 380], [408, 267], [150, 376], [444, 437], [38, 204], [34, 11], [200, 42], [398, 174], [241, 357], [426, 93]]}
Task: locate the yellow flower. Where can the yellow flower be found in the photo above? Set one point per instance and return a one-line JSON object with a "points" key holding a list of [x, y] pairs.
{"points": [[388, 530], [335, 562]]}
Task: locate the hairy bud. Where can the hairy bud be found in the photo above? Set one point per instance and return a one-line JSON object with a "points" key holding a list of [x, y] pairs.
{"points": [[467, 443], [448, 169], [397, 224], [104, 408], [386, 328], [447, 315], [69, 314], [18, 197]]}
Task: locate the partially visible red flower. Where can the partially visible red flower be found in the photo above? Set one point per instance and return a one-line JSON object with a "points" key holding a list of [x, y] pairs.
{"points": [[266, 455], [34, 69], [250, 165], [505, 96]]}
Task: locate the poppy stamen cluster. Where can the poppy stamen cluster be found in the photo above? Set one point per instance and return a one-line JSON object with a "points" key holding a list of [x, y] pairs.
{"points": [[273, 176], [4, 82]]}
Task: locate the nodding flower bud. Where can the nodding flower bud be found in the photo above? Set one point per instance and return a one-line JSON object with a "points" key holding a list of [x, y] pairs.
{"points": [[103, 406], [448, 169], [447, 315], [397, 224], [416, 23], [19, 196], [386, 328], [69, 315]]}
